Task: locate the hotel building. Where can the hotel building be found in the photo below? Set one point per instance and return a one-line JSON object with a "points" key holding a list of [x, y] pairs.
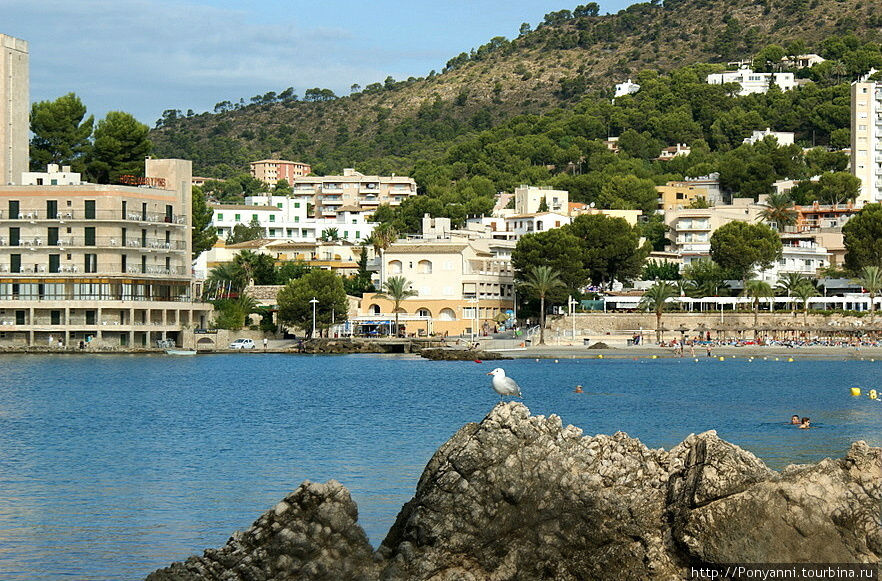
{"points": [[866, 139], [107, 264], [270, 171], [353, 190], [14, 109]]}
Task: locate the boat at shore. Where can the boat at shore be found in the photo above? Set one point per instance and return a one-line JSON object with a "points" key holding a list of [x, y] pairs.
{"points": [[180, 352]]}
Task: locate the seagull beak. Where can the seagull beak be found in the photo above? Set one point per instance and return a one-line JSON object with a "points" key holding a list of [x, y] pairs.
{"points": [[491, 373]]}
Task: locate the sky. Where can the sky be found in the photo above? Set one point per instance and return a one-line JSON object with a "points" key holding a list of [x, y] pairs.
{"points": [[146, 56]]}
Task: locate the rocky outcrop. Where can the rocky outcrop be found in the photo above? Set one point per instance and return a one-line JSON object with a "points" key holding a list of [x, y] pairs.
{"points": [[521, 497], [311, 534], [460, 355]]}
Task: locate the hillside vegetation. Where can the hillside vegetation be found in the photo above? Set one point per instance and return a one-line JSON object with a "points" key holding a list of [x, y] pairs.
{"points": [[569, 56]]}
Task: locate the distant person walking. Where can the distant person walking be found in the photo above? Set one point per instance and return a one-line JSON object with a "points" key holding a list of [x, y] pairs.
{"points": [[264, 344]]}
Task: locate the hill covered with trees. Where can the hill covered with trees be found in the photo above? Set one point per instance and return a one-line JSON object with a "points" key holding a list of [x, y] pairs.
{"points": [[571, 55]]}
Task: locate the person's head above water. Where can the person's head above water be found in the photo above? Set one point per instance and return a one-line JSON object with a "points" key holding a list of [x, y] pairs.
{"points": [[805, 423], [794, 419]]}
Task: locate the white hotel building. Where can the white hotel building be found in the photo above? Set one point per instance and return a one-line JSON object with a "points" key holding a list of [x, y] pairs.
{"points": [[866, 139], [286, 218]]}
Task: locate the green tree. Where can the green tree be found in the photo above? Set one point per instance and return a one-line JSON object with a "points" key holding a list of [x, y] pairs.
{"points": [[862, 235], [837, 187], [283, 188], [204, 235], [788, 283], [610, 248], [330, 234], [360, 283], [291, 270], [740, 247], [383, 236], [396, 289], [706, 276], [804, 292], [539, 281], [543, 205], [778, 211], [119, 148], [558, 249], [225, 278], [871, 280], [756, 289], [656, 299], [61, 133], [244, 233], [629, 193], [295, 310], [660, 270], [233, 314], [257, 267]]}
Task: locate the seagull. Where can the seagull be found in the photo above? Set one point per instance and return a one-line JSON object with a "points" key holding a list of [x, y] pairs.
{"points": [[504, 385]]}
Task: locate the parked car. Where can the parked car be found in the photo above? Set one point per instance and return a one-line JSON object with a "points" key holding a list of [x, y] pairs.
{"points": [[243, 344]]}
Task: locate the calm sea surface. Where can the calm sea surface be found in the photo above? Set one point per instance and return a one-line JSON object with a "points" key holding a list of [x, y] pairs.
{"points": [[113, 466]]}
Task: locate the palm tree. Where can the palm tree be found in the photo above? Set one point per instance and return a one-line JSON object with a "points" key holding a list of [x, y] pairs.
{"points": [[330, 235], [540, 281], [396, 289], [787, 283], [804, 292], [381, 239], [656, 299], [871, 280], [756, 289], [778, 210]]}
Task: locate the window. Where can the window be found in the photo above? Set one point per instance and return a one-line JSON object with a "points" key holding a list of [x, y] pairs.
{"points": [[279, 205], [447, 315], [54, 262], [19, 317], [395, 266], [424, 267], [296, 219], [424, 312], [91, 317], [13, 210], [123, 265], [89, 236], [238, 217], [272, 217], [15, 263], [52, 236], [296, 204], [125, 215], [55, 317], [169, 213], [51, 209], [89, 209], [91, 263], [220, 217], [254, 217], [14, 236]]}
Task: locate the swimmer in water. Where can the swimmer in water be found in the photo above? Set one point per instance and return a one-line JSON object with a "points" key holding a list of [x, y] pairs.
{"points": [[806, 424], [794, 420], [578, 389]]}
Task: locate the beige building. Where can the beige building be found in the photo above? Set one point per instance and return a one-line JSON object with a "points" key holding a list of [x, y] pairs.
{"points": [[14, 109], [691, 228], [866, 139], [462, 285], [679, 195], [528, 200], [353, 190], [270, 171], [107, 264]]}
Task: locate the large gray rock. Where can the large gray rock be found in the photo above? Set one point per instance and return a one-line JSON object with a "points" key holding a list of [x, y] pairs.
{"points": [[311, 534], [521, 497]]}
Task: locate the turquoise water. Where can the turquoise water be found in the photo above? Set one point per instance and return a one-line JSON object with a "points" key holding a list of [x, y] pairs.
{"points": [[113, 466]]}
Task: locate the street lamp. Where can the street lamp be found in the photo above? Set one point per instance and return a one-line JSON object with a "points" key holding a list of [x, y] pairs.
{"points": [[572, 304], [314, 302]]}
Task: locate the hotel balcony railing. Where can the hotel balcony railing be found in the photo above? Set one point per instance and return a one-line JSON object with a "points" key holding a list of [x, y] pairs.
{"points": [[67, 214], [72, 296], [102, 242], [42, 269]]}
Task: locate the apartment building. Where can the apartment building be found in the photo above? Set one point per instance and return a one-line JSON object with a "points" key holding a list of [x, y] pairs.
{"points": [[270, 171], [679, 195], [353, 190], [752, 82], [104, 264], [283, 217], [463, 286], [14, 109], [691, 228], [529, 199], [866, 138], [782, 137], [339, 256]]}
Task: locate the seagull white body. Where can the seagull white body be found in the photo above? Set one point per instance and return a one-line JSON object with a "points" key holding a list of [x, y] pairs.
{"points": [[504, 385]]}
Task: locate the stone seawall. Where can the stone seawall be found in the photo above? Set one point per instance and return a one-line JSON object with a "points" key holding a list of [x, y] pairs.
{"points": [[521, 497]]}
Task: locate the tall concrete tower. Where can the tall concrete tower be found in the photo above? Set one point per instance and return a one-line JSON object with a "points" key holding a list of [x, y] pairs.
{"points": [[14, 109], [866, 138]]}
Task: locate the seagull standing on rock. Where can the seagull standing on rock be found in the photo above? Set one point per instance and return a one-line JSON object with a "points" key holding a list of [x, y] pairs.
{"points": [[504, 385]]}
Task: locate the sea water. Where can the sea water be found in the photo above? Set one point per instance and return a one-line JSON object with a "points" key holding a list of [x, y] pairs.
{"points": [[112, 466]]}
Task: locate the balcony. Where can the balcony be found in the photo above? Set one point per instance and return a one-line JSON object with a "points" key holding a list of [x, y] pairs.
{"points": [[100, 242], [69, 215], [78, 269]]}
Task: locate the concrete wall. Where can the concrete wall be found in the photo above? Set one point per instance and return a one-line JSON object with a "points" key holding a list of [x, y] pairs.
{"points": [[14, 109]]}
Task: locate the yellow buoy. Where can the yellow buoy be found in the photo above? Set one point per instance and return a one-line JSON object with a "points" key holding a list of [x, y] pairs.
{"points": [[855, 391], [600, 356], [873, 394], [722, 358], [556, 361], [790, 360], [776, 359], [696, 360], [655, 356]]}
